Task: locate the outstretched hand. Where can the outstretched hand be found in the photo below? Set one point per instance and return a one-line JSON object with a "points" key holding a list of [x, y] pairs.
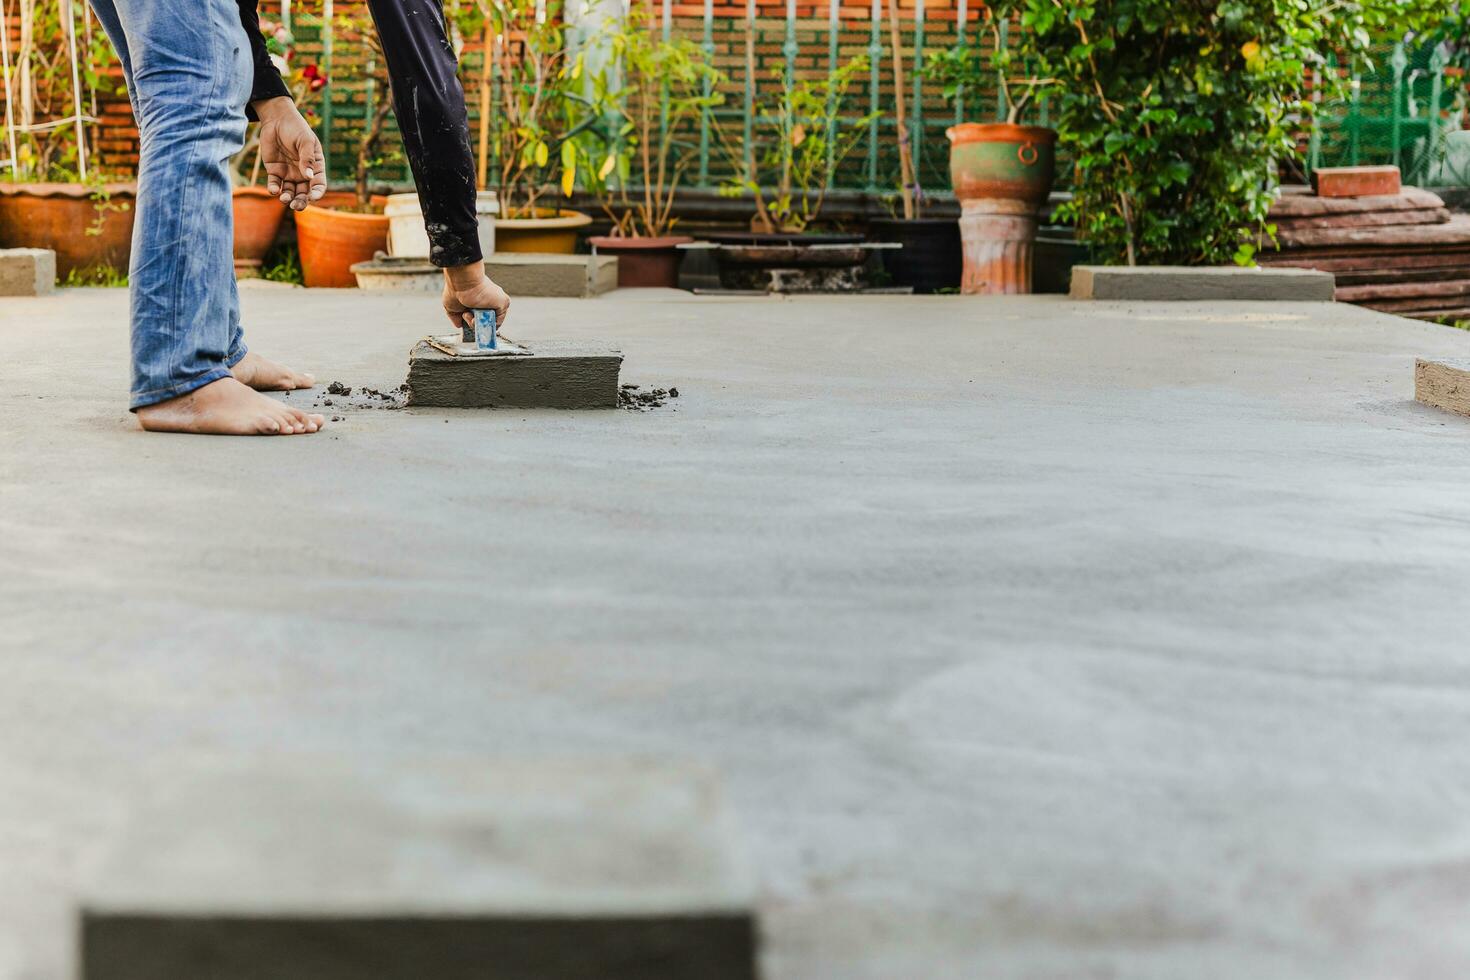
{"points": [[290, 153]]}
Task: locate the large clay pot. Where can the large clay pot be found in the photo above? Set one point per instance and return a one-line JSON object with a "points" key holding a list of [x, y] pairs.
{"points": [[644, 261], [58, 217], [258, 218], [1002, 174], [1002, 161], [332, 242], [931, 257], [550, 231]]}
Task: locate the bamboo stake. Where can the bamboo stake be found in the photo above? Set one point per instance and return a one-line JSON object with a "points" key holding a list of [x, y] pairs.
{"points": [[905, 156], [9, 101], [76, 86], [484, 105]]}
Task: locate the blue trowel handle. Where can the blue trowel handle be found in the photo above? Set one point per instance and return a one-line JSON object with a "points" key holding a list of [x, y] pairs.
{"points": [[482, 334]]}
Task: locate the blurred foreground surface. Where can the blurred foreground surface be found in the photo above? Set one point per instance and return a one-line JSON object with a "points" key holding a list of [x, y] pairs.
{"points": [[1032, 638]]}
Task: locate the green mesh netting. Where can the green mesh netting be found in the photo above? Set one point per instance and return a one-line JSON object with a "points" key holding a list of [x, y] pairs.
{"points": [[1408, 111]]}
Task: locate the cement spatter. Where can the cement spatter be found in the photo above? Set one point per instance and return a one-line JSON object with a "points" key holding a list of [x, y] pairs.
{"points": [[635, 399], [339, 395]]}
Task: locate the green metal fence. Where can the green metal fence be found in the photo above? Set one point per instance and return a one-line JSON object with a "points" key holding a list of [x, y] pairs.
{"points": [[1408, 112], [874, 167]]}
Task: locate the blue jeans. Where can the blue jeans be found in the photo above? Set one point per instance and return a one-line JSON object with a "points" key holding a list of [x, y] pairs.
{"points": [[189, 71]]}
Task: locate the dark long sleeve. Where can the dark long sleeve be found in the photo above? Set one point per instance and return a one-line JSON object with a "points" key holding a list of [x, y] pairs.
{"points": [[428, 100], [268, 83]]}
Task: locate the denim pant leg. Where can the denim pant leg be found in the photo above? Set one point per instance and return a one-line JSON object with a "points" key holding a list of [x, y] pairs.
{"points": [[189, 73]]}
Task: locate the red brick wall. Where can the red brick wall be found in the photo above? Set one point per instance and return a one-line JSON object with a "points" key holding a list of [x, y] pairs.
{"points": [[114, 139]]}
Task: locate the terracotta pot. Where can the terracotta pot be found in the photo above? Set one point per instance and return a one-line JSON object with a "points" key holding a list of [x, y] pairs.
{"points": [[1002, 161], [331, 242], [57, 216], [644, 261], [1001, 174], [550, 231], [258, 218], [931, 257], [999, 241]]}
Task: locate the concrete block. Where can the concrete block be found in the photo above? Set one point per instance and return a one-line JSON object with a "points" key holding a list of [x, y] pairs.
{"points": [[27, 271], [1443, 384], [1167, 282], [554, 376], [1355, 181], [471, 870], [536, 274]]}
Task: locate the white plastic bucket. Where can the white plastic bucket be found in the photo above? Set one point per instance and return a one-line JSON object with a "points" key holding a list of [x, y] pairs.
{"points": [[407, 237]]}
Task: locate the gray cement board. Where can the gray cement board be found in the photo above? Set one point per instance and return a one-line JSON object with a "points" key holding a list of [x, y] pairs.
{"points": [[27, 271], [1180, 283], [1443, 384], [565, 276], [510, 869], [573, 376]]}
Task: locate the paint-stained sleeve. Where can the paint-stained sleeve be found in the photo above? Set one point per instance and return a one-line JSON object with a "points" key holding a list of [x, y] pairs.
{"points": [[268, 83], [428, 100]]}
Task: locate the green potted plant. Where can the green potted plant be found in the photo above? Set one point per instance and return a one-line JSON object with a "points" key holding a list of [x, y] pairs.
{"points": [[530, 110], [1002, 172], [335, 237], [1178, 118], [645, 93], [55, 185], [787, 182]]}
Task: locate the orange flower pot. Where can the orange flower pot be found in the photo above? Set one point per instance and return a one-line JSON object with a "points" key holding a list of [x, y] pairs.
{"points": [[258, 218], [58, 217], [331, 242], [550, 231]]}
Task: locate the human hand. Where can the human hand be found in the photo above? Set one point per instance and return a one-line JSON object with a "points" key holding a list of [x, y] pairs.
{"points": [[291, 154], [466, 288]]}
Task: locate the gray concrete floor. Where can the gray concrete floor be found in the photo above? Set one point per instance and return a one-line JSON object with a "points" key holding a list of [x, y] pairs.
{"points": [[1033, 639]]}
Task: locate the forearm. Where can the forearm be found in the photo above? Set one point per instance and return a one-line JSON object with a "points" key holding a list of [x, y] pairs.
{"points": [[267, 83], [428, 100]]}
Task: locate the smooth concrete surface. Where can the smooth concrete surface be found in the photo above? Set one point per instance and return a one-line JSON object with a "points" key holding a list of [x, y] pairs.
{"points": [[306, 869], [1201, 283], [27, 271], [1030, 638], [573, 376]]}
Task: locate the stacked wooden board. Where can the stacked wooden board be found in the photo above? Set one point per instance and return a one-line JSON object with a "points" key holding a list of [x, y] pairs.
{"points": [[1403, 253]]}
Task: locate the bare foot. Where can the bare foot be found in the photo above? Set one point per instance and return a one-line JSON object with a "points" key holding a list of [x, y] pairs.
{"points": [[263, 375], [227, 408]]}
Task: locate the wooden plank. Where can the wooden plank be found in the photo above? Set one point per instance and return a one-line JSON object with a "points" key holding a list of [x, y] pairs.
{"points": [[1440, 316], [1443, 384], [1456, 231], [1437, 273], [1355, 181], [1300, 202], [1367, 219], [1373, 292], [1413, 305], [1348, 262]]}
